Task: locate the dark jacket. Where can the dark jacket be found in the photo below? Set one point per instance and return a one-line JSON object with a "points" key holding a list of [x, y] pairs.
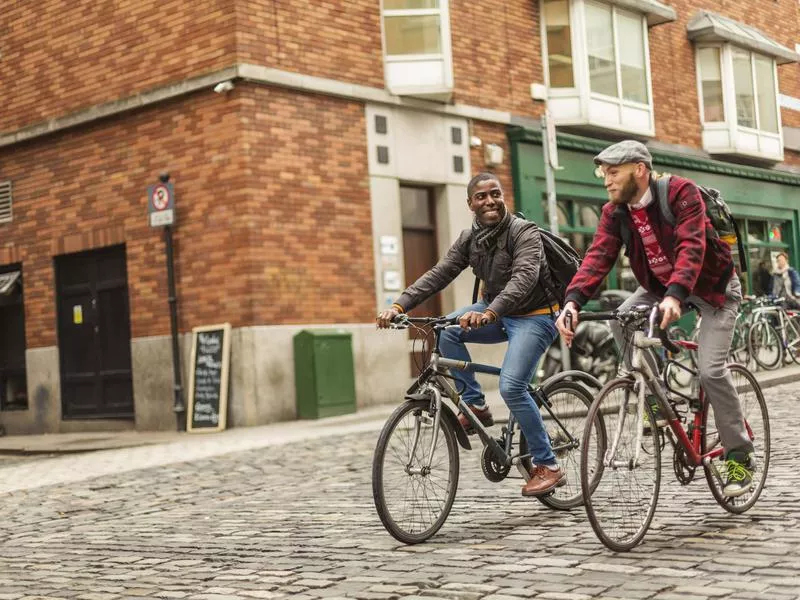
{"points": [[702, 263], [509, 282]]}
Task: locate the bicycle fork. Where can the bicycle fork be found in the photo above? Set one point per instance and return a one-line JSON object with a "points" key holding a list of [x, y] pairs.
{"points": [[425, 469]]}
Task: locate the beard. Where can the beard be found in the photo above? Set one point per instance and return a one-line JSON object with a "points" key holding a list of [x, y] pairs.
{"points": [[627, 193]]}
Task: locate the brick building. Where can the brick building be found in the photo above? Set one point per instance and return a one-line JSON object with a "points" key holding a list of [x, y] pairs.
{"points": [[333, 169]]}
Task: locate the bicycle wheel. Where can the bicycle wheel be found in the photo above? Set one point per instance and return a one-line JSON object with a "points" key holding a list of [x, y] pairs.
{"points": [[621, 497], [793, 338], [765, 345], [569, 404], [412, 501], [740, 351], [756, 418]]}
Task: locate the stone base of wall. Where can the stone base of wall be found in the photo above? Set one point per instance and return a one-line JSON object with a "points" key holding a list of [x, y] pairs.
{"points": [[262, 388]]}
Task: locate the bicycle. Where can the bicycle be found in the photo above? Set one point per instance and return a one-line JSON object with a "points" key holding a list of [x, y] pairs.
{"points": [[415, 467], [774, 327], [621, 494]]}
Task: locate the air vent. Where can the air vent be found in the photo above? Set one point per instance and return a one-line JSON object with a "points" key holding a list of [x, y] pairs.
{"points": [[5, 201]]}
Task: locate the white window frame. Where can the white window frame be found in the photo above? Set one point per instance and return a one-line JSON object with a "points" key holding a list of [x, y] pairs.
{"points": [[445, 89], [712, 130], [578, 102]]}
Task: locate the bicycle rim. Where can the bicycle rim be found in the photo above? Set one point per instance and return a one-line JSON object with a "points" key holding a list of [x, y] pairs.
{"points": [[569, 403], [793, 338], [414, 506], [621, 496], [765, 345], [756, 417]]}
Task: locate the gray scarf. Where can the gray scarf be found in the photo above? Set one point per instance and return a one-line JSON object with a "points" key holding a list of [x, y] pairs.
{"points": [[486, 235]]}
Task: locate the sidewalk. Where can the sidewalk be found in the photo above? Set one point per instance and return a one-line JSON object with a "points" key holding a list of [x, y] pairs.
{"points": [[372, 417]]}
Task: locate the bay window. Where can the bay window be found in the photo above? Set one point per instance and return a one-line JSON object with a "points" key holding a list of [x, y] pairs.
{"points": [[737, 87], [598, 65]]}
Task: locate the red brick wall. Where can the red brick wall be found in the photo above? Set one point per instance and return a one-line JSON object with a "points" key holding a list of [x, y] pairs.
{"points": [[339, 39], [493, 134], [85, 189], [274, 222], [64, 55], [312, 224]]}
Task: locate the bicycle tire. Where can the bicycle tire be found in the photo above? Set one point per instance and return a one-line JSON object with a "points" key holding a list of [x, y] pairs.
{"points": [[756, 417], [792, 332], [573, 417], [740, 349], [402, 483], [763, 335], [605, 506]]}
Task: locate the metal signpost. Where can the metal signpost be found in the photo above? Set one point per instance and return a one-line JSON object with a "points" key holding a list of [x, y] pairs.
{"points": [[161, 213], [550, 151]]}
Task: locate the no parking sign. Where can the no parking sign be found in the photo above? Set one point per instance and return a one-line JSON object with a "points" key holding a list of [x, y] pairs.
{"points": [[161, 204]]}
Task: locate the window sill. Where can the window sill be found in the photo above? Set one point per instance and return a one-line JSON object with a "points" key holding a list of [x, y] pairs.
{"points": [[721, 140], [593, 113]]}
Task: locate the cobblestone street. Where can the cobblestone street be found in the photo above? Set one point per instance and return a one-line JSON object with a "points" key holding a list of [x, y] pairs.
{"points": [[297, 519]]}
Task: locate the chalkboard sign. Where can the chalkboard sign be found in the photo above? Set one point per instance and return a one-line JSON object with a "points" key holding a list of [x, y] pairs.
{"points": [[208, 382]]}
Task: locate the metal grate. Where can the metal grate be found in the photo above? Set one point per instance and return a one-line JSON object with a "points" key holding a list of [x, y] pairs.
{"points": [[5, 201]]}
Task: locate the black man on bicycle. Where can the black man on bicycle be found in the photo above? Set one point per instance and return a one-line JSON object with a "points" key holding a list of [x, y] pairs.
{"points": [[678, 264], [506, 254]]}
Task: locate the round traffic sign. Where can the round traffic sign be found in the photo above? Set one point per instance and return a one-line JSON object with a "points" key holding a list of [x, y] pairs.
{"points": [[160, 197]]}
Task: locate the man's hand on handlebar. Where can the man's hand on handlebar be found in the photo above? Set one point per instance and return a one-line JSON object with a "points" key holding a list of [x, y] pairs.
{"points": [[386, 317], [474, 319], [567, 322], [670, 308]]}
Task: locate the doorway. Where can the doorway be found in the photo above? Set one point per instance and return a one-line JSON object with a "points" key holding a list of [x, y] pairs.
{"points": [[420, 253], [94, 334]]}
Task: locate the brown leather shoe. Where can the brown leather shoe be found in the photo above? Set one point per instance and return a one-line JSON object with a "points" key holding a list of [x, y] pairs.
{"points": [[484, 416], [543, 481]]}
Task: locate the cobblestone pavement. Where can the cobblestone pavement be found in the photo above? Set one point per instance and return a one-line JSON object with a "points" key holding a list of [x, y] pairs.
{"points": [[297, 520]]}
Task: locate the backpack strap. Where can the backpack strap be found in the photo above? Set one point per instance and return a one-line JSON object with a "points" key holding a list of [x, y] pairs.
{"points": [[662, 195], [475, 289]]}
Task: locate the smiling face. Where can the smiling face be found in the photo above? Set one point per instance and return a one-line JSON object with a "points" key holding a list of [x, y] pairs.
{"points": [[487, 202], [624, 183]]}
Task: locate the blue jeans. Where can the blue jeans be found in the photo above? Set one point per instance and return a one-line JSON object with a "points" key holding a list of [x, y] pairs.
{"points": [[528, 338]]}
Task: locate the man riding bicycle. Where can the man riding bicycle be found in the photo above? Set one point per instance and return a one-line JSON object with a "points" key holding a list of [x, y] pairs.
{"points": [[506, 254], [675, 265]]}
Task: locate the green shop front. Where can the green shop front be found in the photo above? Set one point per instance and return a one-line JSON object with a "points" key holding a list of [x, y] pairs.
{"points": [[766, 203]]}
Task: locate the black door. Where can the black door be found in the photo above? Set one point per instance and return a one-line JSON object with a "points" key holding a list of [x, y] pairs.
{"points": [[94, 334]]}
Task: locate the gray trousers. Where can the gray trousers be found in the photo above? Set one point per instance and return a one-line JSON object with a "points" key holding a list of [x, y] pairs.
{"points": [[714, 342]]}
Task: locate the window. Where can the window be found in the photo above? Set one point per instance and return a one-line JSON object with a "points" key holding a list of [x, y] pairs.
{"points": [[598, 65], [559, 43], [417, 47], [737, 87], [711, 84], [762, 244]]}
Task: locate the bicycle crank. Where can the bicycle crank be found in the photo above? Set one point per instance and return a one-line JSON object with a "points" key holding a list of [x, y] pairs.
{"points": [[492, 468], [684, 472]]}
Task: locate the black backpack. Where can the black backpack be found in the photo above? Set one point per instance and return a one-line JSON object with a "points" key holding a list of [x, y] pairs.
{"points": [[562, 261], [716, 210]]}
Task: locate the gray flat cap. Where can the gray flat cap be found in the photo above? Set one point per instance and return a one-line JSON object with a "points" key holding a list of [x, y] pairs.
{"points": [[626, 151]]}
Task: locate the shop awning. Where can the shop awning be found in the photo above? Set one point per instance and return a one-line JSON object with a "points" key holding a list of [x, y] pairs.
{"points": [[7, 281], [710, 27], [656, 12]]}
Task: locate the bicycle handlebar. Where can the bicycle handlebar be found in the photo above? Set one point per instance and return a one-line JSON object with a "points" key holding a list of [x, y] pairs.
{"points": [[633, 313]]}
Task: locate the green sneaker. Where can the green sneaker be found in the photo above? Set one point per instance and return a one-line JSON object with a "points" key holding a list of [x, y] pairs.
{"points": [[739, 475], [657, 415]]}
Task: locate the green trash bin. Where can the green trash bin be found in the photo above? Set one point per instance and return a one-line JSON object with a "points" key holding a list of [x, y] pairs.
{"points": [[324, 376]]}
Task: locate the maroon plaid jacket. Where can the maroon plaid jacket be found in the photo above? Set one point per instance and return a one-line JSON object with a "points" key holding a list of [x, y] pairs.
{"points": [[702, 262]]}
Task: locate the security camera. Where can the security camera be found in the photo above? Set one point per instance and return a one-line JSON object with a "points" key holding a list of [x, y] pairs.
{"points": [[225, 86]]}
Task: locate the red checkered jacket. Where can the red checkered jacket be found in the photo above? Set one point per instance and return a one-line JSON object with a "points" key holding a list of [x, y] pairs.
{"points": [[702, 263]]}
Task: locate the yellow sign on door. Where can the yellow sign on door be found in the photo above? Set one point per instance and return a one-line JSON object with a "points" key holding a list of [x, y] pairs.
{"points": [[77, 314]]}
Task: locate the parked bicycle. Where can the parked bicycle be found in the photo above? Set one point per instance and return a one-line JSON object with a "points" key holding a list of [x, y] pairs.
{"points": [[774, 333], [415, 468], [621, 482]]}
